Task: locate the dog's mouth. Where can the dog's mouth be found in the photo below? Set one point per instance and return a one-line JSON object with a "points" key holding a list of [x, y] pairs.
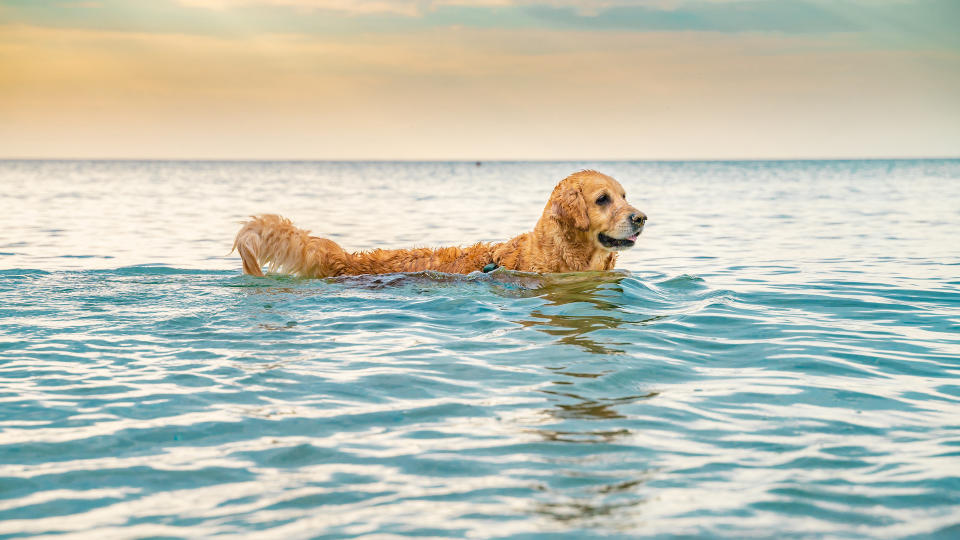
{"points": [[617, 243]]}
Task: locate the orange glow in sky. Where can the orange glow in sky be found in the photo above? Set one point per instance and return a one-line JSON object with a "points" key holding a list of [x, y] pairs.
{"points": [[482, 79]]}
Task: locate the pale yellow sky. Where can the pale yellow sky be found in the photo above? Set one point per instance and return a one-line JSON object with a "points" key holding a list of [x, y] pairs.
{"points": [[454, 91]]}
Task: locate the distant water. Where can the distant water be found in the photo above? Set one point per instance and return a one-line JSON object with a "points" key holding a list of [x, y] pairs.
{"points": [[779, 356]]}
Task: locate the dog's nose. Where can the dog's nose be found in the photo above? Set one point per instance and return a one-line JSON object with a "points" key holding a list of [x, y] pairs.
{"points": [[639, 218]]}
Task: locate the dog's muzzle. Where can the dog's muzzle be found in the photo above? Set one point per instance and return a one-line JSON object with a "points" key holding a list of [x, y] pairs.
{"points": [[615, 243], [637, 220]]}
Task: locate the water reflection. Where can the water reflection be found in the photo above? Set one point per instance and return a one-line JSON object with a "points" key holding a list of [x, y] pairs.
{"points": [[604, 495], [585, 408], [603, 290], [573, 330], [583, 510], [578, 305], [583, 419], [599, 484]]}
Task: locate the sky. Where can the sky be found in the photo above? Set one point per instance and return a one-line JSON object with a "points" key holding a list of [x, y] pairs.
{"points": [[479, 79]]}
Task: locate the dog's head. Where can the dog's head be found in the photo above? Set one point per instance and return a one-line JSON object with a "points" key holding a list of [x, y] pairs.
{"points": [[595, 205]]}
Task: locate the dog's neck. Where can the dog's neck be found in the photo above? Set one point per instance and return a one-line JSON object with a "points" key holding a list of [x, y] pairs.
{"points": [[551, 248], [575, 248]]}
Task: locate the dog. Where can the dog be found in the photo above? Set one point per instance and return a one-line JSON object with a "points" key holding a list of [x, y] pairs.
{"points": [[585, 223]]}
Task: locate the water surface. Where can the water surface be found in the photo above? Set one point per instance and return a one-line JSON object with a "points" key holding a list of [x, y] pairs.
{"points": [[778, 356]]}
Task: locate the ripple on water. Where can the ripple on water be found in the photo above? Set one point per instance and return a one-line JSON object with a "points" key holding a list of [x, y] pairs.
{"points": [[597, 392], [723, 386]]}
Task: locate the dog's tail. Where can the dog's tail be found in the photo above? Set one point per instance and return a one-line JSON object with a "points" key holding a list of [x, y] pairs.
{"points": [[274, 240]]}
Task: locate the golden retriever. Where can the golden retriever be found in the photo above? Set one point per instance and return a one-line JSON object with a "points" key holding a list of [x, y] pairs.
{"points": [[587, 220]]}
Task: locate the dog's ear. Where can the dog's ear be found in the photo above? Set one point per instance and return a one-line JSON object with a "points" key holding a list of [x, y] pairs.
{"points": [[570, 207]]}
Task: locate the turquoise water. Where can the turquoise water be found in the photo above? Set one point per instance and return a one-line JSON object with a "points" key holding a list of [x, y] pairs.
{"points": [[780, 355]]}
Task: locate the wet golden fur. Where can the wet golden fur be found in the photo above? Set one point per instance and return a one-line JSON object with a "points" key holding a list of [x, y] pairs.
{"points": [[565, 239]]}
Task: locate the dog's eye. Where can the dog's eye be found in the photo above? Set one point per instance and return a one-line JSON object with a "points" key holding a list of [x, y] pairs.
{"points": [[603, 199]]}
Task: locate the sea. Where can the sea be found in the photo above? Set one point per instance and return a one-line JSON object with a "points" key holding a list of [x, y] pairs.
{"points": [[778, 357]]}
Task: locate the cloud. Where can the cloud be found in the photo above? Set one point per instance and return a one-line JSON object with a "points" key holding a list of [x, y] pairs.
{"points": [[81, 4], [465, 92], [399, 7], [419, 7], [887, 23], [584, 8]]}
